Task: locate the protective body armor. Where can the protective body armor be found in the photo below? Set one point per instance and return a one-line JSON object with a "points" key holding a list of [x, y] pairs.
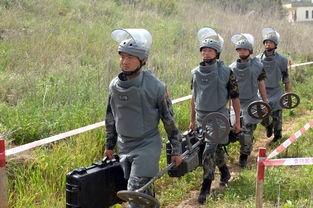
{"points": [[136, 117], [206, 78], [274, 66], [134, 108], [210, 89], [247, 76]]}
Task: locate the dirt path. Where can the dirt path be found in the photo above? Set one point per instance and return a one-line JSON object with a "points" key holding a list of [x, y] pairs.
{"points": [[261, 141]]}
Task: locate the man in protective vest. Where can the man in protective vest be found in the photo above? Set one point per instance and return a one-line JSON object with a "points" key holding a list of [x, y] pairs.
{"points": [[137, 101], [212, 84], [250, 77], [276, 68]]}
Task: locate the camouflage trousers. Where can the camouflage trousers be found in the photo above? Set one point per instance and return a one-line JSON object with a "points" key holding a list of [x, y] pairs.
{"points": [[246, 142], [135, 183], [277, 122], [213, 155]]}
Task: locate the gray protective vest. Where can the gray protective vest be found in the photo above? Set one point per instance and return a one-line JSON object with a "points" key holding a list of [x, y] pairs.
{"points": [[274, 66], [247, 77], [133, 105], [210, 89]]}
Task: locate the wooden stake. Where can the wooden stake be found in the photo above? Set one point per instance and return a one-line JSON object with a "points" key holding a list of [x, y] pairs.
{"points": [[260, 178], [3, 178]]}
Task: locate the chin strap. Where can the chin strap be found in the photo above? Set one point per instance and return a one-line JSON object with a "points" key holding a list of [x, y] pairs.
{"points": [[129, 73], [269, 50], [244, 58], [208, 61]]}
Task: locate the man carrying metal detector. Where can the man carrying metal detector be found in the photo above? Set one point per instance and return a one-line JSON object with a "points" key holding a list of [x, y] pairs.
{"points": [[212, 84], [276, 68], [215, 126], [250, 76], [138, 100]]}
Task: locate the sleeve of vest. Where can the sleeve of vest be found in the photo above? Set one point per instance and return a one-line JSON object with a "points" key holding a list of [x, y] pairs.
{"points": [[167, 117], [111, 134]]}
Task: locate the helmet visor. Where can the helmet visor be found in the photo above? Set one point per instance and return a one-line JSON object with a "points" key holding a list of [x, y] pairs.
{"points": [[209, 33], [268, 31], [141, 36], [243, 37]]}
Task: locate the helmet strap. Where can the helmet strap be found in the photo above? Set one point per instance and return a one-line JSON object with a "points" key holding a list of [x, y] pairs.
{"points": [[244, 58], [208, 61], [269, 51]]}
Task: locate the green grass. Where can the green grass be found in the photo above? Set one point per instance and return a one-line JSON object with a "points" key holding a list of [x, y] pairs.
{"points": [[56, 62]]}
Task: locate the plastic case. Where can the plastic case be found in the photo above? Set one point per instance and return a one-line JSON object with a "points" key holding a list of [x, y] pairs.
{"points": [[95, 186]]}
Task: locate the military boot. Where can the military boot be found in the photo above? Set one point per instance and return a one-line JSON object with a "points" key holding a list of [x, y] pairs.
{"points": [[277, 136], [269, 131], [205, 189], [225, 175], [243, 159]]}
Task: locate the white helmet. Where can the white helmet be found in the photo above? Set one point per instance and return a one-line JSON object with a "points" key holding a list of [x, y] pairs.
{"points": [[270, 34], [136, 42], [211, 39], [243, 40]]}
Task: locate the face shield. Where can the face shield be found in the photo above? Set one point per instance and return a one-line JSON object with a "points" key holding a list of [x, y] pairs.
{"points": [[136, 42], [210, 38], [243, 40]]}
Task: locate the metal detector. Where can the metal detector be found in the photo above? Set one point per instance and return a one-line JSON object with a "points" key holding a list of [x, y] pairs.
{"points": [[259, 110], [138, 196], [289, 100], [214, 125]]}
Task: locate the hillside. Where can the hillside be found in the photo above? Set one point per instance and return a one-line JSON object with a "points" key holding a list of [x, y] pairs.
{"points": [[56, 61]]}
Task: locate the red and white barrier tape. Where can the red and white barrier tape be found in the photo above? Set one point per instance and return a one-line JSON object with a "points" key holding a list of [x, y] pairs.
{"points": [[181, 99], [302, 64], [289, 161], [52, 138], [290, 140]]}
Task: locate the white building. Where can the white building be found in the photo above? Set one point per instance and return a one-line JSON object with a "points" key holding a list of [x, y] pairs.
{"points": [[300, 11]]}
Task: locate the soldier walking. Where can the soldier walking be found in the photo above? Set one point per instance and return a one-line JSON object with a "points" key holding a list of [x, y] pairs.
{"points": [[276, 68], [137, 102], [212, 84], [250, 76]]}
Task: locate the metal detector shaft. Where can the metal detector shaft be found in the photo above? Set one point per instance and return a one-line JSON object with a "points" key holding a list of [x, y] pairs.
{"points": [[162, 172], [241, 130]]}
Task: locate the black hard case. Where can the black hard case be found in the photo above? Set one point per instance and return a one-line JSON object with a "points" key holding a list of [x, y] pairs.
{"points": [[95, 186]]}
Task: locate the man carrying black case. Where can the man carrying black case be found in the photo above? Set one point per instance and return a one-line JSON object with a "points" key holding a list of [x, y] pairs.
{"points": [[95, 186]]}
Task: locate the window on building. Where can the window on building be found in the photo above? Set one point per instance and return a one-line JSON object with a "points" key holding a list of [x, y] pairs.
{"points": [[307, 14]]}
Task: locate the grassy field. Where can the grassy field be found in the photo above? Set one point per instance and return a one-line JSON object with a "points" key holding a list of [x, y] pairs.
{"points": [[56, 61]]}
